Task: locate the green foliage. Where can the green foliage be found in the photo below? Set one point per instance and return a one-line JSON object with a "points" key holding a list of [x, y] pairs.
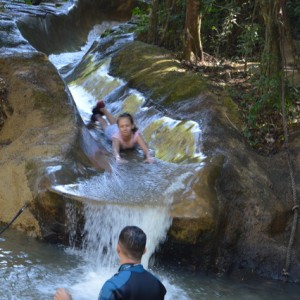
{"points": [[224, 22], [293, 104], [265, 96], [236, 29], [208, 6], [248, 40], [171, 24], [262, 109], [229, 22], [142, 19], [293, 8]]}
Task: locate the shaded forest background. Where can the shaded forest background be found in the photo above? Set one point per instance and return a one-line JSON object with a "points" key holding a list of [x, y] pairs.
{"points": [[250, 49]]}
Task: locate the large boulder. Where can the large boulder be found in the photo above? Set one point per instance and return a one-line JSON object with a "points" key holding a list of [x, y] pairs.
{"points": [[38, 132], [53, 30], [237, 215]]}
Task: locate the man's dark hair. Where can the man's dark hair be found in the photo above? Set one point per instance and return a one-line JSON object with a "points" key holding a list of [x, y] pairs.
{"points": [[133, 241]]}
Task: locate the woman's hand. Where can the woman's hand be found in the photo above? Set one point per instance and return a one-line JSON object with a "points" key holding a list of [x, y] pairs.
{"points": [[149, 160], [140, 141], [62, 294], [121, 160]]}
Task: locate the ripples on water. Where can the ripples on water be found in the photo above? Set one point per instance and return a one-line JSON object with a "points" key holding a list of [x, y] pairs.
{"points": [[32, 270], [149, 184]]}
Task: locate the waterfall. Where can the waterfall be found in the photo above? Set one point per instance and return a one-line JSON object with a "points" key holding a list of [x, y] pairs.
{"points": [[131, 194], [136, 193], [105, 218], [104, 223]]}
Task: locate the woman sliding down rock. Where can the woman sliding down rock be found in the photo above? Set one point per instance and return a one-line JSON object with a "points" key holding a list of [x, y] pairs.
{"points": [[121, 131]]}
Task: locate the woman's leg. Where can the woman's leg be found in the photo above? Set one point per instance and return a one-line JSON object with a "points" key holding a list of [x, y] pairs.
{"points": [[108, 129], [101, 121], [111, 119]]}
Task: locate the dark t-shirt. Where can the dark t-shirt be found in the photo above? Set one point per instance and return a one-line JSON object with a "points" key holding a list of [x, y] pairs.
{"points": [[132, 282]]}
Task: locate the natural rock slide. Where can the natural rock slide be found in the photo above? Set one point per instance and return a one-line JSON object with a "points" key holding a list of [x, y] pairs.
{"points": [[230, 208]]}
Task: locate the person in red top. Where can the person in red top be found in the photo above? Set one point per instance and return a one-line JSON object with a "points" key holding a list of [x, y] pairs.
{"points": [[121, 131]]}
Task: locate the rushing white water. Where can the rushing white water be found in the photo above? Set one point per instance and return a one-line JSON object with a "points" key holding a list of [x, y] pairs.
{"points": [[72, 58], [85, 100], [134, 183], [32, 270], [131, 194], [104, 223]]}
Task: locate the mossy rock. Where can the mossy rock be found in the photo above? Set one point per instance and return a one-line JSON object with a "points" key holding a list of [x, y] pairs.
{"points": [[150, 68], [231, 112]]}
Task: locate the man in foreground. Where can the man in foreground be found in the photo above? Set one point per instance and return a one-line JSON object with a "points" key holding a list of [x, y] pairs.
{"points": [[132, 281]]}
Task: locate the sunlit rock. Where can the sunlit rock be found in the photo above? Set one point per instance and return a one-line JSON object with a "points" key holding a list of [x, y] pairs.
{"points": [[231, 208], [163, 76], [40, 128], [132, 103], [180, 136]]}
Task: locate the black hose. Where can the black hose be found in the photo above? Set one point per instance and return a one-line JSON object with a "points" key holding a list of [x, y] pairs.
{"points": [[14, 218]]}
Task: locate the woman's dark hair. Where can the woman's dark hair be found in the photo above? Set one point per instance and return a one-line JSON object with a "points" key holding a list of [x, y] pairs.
{"points": [[133, 240], [129, 116]]}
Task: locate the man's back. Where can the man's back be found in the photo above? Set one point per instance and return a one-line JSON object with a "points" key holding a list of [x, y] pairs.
{"points": [[133, 282]]}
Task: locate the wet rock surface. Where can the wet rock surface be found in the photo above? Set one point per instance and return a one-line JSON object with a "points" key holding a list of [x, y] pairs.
{"points": [[37, 118], [38, 132], [5, 108], [236, 215]]}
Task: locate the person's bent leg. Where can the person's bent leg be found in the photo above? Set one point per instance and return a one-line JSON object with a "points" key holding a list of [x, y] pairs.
{"points": [[102, 122], [111, 119]]}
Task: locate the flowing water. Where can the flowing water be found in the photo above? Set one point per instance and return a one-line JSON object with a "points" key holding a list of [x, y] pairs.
{"points": [[30, 269]]}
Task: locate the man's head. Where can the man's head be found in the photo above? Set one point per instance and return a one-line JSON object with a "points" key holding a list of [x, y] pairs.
{"points": [[132, 241]]}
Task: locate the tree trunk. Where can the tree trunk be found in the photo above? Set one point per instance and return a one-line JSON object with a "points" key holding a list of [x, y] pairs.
{"points": [[289, 50], [153, 26], [169, 9], [271, 56], [192, 49]]}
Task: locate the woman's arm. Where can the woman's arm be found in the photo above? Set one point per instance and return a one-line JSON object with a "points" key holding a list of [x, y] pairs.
{"points": [[116, 151], [140, 141]]}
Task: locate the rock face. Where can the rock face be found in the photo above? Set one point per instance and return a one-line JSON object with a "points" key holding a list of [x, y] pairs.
{"points": [[39, 124], [236, 214], [63, 30], [38, 132]]}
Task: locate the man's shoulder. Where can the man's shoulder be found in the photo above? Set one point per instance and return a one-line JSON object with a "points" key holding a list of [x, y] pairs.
{"points": [[113, 284], [128, 273], [119, 278], [133, 280]]}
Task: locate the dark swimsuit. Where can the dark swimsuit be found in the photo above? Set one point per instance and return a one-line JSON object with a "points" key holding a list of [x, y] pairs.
{"points": [[132, 282]]}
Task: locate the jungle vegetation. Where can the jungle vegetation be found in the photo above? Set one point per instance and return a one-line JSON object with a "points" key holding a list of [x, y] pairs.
{"points": [[251, 48]]}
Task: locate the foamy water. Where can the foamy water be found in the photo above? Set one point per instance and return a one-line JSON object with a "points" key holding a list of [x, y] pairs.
{"points": [[33, 270], [131, 194]]}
